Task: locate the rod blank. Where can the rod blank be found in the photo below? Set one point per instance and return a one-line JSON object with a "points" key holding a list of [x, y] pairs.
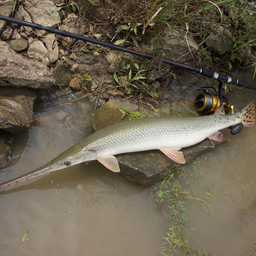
{"points": [[204, 72]]}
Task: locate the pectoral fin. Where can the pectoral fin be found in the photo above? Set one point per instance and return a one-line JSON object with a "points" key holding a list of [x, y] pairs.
{"points": [[174, 153], [217, 136], [109, 162]]}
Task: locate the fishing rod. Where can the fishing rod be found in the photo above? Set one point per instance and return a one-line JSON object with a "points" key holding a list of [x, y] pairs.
{"points": [[204, 72], [207, 101]]}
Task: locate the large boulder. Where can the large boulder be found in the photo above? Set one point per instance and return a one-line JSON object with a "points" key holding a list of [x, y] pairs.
{"points": [[18, 71]]}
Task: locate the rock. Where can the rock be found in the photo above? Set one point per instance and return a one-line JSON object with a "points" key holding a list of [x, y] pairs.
{"points": [[113, 59], [74, 83], [53, 53], [23, 13], [115, 92], [19, 45], [6, 33], [6, 141], [41, 13], [109, 114], [220, 41], [37, 51], [6, 10], [247, 57], [176, 45], [18, 71], [70, 24], [73, 56], [16, 109], [74, 67], [142, 167], [61, 74], [95, 11]]}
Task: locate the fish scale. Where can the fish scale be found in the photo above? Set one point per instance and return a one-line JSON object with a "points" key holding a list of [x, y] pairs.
{"points": [[165, 133]]}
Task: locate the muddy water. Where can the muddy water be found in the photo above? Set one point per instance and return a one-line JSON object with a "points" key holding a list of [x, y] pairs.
{"points": [[229, 174], [88, 210], [83, 210]]}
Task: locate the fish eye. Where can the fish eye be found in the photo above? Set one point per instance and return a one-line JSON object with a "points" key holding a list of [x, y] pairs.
{"points": [[67, 163]]}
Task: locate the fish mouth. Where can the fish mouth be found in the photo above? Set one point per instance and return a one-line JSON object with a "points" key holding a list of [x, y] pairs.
{"points": [[35, 173]]}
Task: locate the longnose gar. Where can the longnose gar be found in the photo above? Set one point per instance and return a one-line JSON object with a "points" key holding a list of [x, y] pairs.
{"points": [[166, 134]]}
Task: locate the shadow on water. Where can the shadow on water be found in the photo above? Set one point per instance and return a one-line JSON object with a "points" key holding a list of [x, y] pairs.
{"points": [[82, 210]]}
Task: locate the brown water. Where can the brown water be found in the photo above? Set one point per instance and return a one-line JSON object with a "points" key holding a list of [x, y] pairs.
{"points": [[109, 216], [229, 174]]}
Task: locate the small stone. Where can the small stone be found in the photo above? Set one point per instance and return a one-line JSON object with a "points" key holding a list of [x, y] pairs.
{"points": [[73, 56], [94, 85], [37, 51], [23, 13], [19, 45], [97, 36], [62, 52], [74, 67], [66, 42], [61, 74], [53, 53], [6, 33], [74, 83], [115, 92], [66, 61]]}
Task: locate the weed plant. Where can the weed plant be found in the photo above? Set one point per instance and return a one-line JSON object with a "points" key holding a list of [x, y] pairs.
{"points": [[171, 195]]}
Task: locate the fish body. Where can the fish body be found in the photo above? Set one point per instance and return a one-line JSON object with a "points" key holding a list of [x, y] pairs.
{"points": [[165, 133]]}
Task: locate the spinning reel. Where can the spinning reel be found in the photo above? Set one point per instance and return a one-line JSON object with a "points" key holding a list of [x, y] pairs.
{"points": [[208, 101]]}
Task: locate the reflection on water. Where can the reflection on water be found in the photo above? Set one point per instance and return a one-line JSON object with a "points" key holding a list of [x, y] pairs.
{"points": [[82, 210]]}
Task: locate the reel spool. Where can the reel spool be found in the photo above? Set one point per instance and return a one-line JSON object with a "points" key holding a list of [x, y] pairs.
{"points": [[208, 102]]}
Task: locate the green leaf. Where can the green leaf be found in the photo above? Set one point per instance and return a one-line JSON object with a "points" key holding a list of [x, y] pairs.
{"points": [[57, 9], [139, 76], [115, 77], [135, 42], [25, 236], [127, 66], [120, 41], [130, 74], [79, 187], [136, 66], [96, 53], [125, 27], [74, 7]]}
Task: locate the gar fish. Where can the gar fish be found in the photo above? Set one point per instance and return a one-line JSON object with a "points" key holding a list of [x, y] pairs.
{"points": [[163, 133]]}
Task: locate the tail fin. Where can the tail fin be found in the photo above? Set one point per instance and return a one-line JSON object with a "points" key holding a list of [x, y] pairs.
{"points": [[248, 115]]}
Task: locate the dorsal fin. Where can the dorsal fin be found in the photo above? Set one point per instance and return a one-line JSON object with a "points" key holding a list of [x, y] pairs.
{"points": [[221, 111]]}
